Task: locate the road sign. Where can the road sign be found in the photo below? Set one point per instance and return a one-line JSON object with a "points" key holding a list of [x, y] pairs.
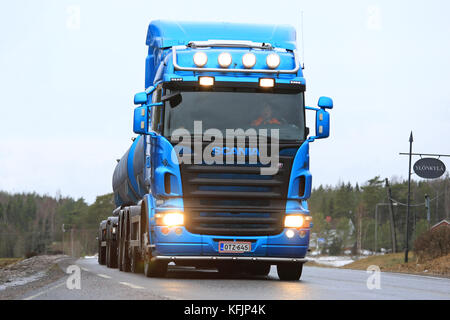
{"points": [[429, 168]]}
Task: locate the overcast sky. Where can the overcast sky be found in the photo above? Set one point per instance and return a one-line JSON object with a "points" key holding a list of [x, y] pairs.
{"points": [[69, 71]]}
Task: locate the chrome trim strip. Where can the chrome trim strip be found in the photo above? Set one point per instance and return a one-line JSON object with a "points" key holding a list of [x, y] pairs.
{"points": [[229, 258], [229, 43], [177, 67]]}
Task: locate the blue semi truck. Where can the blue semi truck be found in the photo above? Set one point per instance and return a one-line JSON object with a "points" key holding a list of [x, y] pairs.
{"points": [[198, 186]]}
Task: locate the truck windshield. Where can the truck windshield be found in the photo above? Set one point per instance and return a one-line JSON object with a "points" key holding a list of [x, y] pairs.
{"points": [[237, 110]]}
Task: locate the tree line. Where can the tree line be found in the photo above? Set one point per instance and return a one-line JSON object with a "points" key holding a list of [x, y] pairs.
{"points": [[343, 216], [35, 224]]}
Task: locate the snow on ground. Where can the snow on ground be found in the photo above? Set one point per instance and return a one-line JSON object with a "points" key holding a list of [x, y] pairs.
{"points": [[22, 280], [27, 270], [95, 256], [333, 261]]}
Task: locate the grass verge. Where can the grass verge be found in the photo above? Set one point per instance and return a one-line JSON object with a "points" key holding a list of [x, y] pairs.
{"points": [[394, 262], [7, 261]]}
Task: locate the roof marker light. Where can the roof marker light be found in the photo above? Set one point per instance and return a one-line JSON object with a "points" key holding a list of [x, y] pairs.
{"points": [[273, 60], [224, 59], [200, 59], [249, 60], [206, 81]]}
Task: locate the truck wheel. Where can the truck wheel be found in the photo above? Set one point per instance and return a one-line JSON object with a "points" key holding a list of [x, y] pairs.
{"points": [[108, 255], [113, 254], [124, 257], [290, 271], [136, 262], [101, 254], [154, 269]]}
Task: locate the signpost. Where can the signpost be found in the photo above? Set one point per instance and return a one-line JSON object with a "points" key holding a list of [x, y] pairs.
{"points": [[428, 168]]}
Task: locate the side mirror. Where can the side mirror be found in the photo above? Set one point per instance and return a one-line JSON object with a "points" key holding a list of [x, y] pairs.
{"points": [[140, 121], [322, 123], [174, 99], [140, 98], [325, 103]]}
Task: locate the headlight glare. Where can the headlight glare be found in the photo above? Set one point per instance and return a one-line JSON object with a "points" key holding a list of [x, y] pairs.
{"points": [[273, 60], [200, 59], [224, 59], [249, 60], [293, 221]]}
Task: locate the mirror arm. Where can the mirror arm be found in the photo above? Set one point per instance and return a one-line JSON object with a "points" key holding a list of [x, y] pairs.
{"points": [[312, 108], [156, 104], [152, 88]]}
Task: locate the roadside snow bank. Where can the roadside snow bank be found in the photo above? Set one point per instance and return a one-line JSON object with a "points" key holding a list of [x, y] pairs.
{"points": [[27, 270], [333, 261]]}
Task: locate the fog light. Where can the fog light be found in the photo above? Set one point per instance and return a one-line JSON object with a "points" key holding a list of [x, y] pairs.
{"points": [[224, 59], [165, 231], [302, 233], [290, 234], [249, 60], [273, 60], [206, 81], [200, 59], [178, 231]]}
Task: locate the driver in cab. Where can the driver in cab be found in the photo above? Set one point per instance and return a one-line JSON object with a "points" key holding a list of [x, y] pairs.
{"points": [[266, 117]]}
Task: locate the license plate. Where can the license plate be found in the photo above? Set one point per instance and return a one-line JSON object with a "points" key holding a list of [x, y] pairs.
{"points": [[234, 247]]}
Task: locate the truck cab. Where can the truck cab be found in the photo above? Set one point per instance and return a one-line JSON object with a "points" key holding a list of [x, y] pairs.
{"points": [[219, 172]]}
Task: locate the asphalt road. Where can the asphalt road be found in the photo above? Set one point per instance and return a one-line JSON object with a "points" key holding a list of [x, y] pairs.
{"points": [[99, 282]]}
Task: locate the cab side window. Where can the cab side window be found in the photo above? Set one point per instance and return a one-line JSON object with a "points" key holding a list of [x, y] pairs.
{"points": [[157, 112]]}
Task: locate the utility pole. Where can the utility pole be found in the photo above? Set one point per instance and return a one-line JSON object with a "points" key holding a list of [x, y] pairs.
{"points": [[71, 240], [409, 198], [391, 217], [63, 230], [427, 206]]}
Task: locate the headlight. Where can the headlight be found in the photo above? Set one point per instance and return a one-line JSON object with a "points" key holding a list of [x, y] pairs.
{"points": [[297, 221], [224, 59], [249, 60], [200, 59], [273, 60], [170, 219]]}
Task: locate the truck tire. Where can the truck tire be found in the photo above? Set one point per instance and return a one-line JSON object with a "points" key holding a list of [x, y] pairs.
{"points": [[113, 254], [154, 269], [124, 246], [290, 271], [136, 263], [108, 259], [101, 254]]}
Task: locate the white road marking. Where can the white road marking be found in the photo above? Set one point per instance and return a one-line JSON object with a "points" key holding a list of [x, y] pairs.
{"points": [[45, 291], [103, 276], [84, 269], [131, 285]]}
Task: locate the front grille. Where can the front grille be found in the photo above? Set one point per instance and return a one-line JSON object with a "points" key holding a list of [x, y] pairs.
{"points": [[234, 199]]}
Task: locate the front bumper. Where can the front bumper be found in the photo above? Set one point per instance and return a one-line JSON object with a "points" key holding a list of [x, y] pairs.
{"points": [[227, 258], [204, 247]]}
